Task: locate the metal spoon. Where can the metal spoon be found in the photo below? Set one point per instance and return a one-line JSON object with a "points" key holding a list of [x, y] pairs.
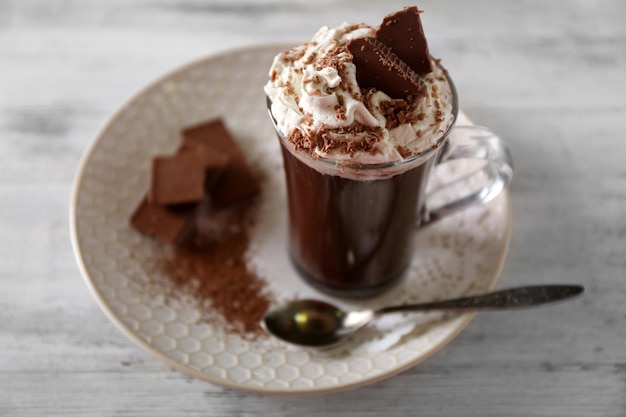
{"points": [[316, 323]]}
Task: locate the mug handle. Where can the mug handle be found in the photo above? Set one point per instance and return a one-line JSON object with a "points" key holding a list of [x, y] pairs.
{"points": [[498, 170]]}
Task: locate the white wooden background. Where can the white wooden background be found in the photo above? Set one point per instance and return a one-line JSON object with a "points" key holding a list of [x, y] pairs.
{"points": [[548, 75]]}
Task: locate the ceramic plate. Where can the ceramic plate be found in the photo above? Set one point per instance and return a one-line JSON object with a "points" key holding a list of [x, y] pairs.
{"points": [[462, 254]]}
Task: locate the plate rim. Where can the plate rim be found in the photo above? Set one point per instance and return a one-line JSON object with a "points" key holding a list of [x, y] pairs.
{"points": [[464, 319]]}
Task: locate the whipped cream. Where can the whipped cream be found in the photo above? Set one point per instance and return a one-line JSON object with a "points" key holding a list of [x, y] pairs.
{"points": [[320, 108]]}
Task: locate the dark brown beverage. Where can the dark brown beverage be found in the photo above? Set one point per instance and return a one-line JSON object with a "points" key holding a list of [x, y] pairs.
{"points": [[361, 113], [352, 237]]}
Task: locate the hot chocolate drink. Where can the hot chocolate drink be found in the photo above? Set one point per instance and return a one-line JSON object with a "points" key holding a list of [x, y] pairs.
{"points": [[360, 129], [367, 226]]}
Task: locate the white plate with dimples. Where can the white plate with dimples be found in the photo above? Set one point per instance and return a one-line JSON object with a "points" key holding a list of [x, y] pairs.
{"points": [[459, 255]]}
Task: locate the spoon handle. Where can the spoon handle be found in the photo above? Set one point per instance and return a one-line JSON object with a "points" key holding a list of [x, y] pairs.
{"points": [[510, 298]]}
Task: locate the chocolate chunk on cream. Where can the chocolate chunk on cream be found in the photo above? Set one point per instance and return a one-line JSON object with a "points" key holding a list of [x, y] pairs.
{"points": [[402, 32], [378, 67], [237, 184]]}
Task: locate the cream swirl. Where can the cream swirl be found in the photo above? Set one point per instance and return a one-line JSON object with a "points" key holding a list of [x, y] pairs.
{"points": [[319, 106]]}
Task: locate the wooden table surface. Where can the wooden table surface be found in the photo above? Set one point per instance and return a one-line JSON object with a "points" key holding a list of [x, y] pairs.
{"points": [[548, 76]]}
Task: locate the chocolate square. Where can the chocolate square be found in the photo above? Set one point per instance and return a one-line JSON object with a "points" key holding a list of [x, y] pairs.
{"points": [[378, 67], [237, 183], [402, 31], [183, 178], [168, 224]]}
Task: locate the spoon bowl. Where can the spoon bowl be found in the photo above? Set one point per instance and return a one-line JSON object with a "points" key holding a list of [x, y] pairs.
{"points": [[306, 322], [316, 323]]}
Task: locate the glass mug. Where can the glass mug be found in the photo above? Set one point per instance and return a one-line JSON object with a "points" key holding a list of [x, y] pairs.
{"points": [[351, 227]]}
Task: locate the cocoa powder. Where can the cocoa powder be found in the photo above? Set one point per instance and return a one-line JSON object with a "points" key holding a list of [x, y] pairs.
{"points": [[210, 268]]}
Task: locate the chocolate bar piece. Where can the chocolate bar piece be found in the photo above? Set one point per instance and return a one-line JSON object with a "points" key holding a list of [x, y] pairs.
{"points": [[237, 183], [378, 67], [403, 33], [168, 224], [184, 178]]}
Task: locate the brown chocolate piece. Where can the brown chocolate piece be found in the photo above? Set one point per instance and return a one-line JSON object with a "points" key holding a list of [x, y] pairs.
{"points": [[378, 67], [237, 183], [169, 224], [402, 32], [184, 178]]}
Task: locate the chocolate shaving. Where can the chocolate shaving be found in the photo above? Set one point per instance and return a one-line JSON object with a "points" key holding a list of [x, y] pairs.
{"points": [[404, 151], [328, 140], [398, 112], [378, 67], [334, 58]]}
